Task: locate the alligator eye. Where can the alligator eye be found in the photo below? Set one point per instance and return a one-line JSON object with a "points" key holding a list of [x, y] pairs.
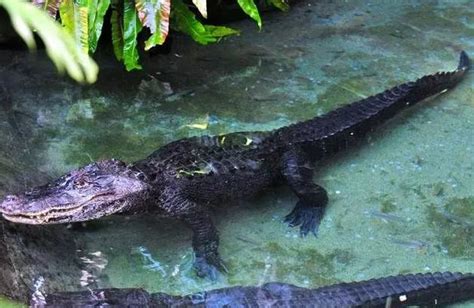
{"points": [[80, 183], [140, 175]]}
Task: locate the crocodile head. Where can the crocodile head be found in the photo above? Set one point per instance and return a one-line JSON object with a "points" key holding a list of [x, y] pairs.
{"points": [[95, 190]]}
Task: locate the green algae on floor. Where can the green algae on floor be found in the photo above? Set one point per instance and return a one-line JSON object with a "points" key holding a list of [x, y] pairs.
{"points": [[8, 303], [454, 224], [388, 206]]}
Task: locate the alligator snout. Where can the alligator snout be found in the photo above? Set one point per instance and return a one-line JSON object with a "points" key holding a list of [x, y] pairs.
{"points": [[9, 204]]}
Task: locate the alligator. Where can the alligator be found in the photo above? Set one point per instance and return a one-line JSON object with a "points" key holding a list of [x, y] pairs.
{"points": [[428, 290], [184, 177]]}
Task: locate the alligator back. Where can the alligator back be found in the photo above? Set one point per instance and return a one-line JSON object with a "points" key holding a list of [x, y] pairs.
{"points": [[339, 128], [395, 291]]}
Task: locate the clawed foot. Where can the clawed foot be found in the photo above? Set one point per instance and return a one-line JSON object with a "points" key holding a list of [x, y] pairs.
{"points": [[209, 266], [307, 216]]}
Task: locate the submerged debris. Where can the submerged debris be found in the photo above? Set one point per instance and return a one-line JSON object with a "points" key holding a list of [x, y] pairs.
{"points": [[412, 244], [153, 264], [385, 217]]}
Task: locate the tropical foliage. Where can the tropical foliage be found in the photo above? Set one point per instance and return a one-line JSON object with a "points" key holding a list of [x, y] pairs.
{"points": [[84, 20], [60, 46]]}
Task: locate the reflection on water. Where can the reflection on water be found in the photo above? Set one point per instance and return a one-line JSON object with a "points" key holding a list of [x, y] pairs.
{"points": [[401, 203], [152, 264]]}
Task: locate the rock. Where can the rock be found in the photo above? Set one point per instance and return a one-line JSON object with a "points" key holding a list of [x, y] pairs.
{"points": [[31, 254]]}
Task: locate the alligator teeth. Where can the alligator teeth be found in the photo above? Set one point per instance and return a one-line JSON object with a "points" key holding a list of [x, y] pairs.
{"points": [[42, 217], [53, 214]]}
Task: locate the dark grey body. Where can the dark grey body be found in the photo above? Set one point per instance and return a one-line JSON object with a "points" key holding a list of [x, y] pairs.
{"points": [[180, 179], [397, 291], [190, 173]]}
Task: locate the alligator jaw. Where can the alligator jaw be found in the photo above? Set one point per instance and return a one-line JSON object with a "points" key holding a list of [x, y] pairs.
{"points": [[32, 219], [51, 215]]}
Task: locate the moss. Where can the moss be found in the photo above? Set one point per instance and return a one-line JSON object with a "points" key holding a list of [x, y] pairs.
{"points": [[80, 111], [388, 206], [405, 271], [116, 142], [237, 266], [438, 189], [454, 226], [136, 273], [424, 17], [392, 34], [309, 264], [105, 139], [463, 208], [457, 14], [419, 190], [342, 256], [91, 109], [344, 92], [274, 248], [8, 303], [387, 203]]}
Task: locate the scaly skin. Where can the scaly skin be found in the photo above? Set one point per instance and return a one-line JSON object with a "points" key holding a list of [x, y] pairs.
{"points": [[180, 179], [395, 291]]}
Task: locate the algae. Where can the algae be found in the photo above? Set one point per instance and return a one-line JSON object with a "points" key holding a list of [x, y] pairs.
{"points": [[303, 264], [8, 303], [341, 94], [454, 225]]}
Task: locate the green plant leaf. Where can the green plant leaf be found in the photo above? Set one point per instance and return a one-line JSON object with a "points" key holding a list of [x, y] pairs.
{"points": [[81, 23], [74, 17], [117, 28], [249, 7], [97, 10], [60, 45], [280, 4], [66, 11], [84, 20], [220, 31], [154, 14], [131, 28], [185, 21]]}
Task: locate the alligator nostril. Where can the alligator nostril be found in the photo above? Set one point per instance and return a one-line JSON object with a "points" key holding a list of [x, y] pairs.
{"points": [[11, 198], [9, 203]]}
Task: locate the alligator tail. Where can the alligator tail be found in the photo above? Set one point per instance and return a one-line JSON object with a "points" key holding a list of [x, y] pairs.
{"points": [[340, 128], [427, 290], [464, 62], [440, 82]]}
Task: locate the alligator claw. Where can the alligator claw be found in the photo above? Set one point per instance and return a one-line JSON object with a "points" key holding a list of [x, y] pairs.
{"points": [[307, 216], [209, 267]]}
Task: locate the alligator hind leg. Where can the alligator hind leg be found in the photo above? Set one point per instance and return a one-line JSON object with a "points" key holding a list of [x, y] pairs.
{"points": [[309, 209]]}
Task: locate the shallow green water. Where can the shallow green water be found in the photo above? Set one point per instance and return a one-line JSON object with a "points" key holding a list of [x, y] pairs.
{"points": [[402, 202], [6, 303]]}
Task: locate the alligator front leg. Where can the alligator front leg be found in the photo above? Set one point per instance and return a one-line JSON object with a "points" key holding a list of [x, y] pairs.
{"points": [[205, 238], [205, 244], [309, 210]]}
